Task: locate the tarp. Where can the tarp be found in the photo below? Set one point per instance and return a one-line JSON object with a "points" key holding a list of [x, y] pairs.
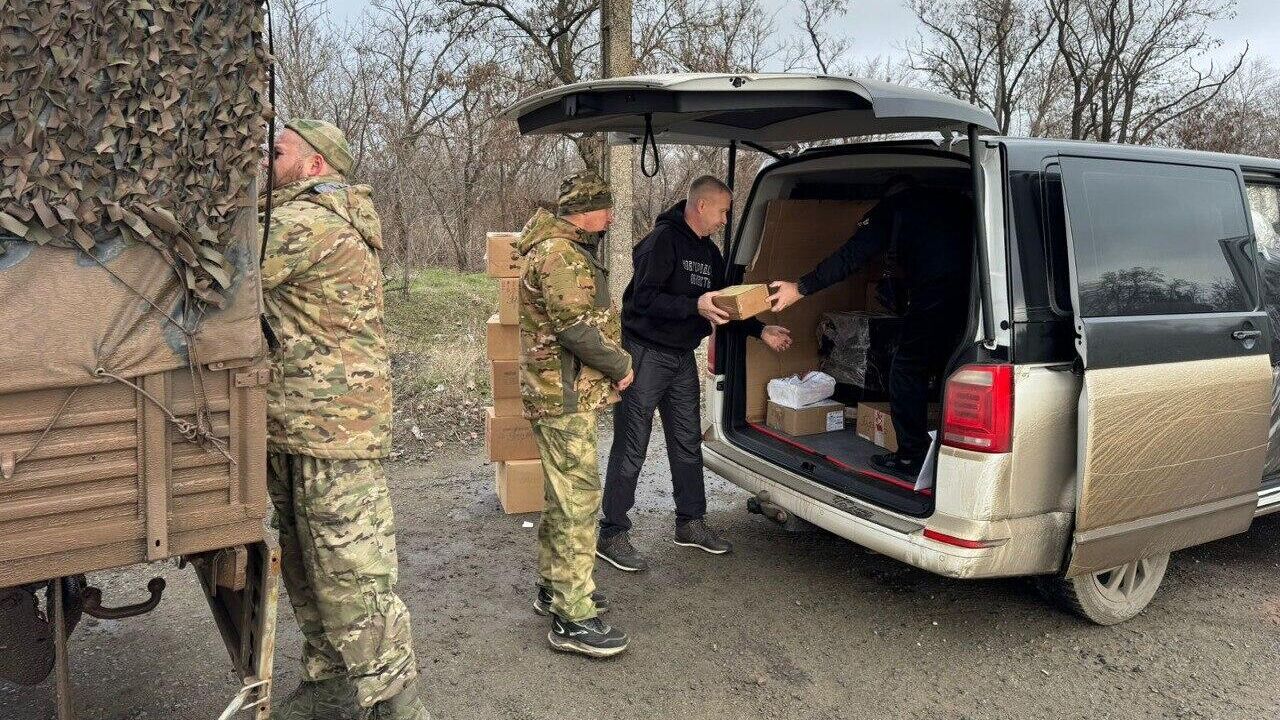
{"points": [[130, 136]]}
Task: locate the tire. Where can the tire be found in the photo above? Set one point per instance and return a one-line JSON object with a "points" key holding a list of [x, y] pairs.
{"points": [[1111, 596]]}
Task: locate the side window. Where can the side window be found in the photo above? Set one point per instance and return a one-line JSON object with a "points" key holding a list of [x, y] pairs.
{"points": [[1157, 239], [1054, 232]]}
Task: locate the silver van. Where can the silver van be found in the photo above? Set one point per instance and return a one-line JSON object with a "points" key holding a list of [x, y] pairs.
{"points": [[1114, 398]]}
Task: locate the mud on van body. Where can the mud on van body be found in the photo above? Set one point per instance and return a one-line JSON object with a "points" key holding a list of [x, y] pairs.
{"points": [[1113, 396]]}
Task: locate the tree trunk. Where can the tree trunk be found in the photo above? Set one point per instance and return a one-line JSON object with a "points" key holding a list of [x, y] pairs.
{"points": [[617, 61]]}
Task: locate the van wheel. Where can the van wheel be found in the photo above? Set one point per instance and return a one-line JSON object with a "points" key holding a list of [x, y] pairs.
{"points": [[1111, 596]]}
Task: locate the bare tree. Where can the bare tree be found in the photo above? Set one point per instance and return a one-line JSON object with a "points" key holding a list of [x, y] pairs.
{"points": [[1244, 118], [415, 54], [817, 40], [1132, 66], [559, 39], [992, 53], [304, 52]]}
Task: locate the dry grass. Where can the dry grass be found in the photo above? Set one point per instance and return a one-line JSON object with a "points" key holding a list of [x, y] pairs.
{"points": [[440, 377]]}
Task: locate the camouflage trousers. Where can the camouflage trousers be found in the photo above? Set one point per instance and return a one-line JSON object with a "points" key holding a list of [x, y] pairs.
{"points": [[567, 531], [338, 562]]}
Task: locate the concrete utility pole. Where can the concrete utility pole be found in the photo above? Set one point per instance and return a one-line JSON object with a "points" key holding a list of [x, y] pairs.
{"points": [[619, 162]]}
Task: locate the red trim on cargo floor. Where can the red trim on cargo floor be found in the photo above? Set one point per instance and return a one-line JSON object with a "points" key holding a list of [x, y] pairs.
{"points": [[846, 466]]}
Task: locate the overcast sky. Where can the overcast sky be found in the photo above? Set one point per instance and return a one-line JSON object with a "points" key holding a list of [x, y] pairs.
{"points": [[884, 27]]}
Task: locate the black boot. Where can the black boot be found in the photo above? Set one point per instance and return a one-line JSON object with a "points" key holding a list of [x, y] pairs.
{"points": [[695, 533], [542, 603], [590, 637], [620, 554], [898, 466]]}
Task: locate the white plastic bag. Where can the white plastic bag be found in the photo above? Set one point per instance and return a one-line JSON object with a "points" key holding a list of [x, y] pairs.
{"points": [[798, 392]]}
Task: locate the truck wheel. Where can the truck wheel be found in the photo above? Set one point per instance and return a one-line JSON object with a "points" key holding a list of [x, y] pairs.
{"points": [[1111, 596]]}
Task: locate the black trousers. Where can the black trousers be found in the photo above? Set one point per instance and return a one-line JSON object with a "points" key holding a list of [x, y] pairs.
{"points": [[931, 329], [667, 382]]}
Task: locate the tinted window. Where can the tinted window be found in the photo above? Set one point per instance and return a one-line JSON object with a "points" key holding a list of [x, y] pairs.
{"points": [[1055, 238], [1154, 239]]}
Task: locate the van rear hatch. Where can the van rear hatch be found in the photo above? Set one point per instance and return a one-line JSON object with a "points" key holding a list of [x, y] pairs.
{"points": [[765, 109]]}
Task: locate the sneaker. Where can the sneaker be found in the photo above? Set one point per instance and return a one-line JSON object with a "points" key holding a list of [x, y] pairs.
{"points": [[332, 698], [905, 468], [405, 705], [591, 637], [617, 550], [695, 533], [542, 604]]}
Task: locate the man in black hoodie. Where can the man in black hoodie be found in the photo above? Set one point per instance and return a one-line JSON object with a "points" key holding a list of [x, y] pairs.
{"points": [[666, 312]]}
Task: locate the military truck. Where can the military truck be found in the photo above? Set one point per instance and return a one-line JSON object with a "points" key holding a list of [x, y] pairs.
{"points": [[132, 360]]}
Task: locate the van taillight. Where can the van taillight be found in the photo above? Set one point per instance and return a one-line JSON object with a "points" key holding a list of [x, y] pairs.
{"points": [[978, 409]]}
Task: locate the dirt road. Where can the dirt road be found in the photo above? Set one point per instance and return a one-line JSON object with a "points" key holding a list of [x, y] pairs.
{"points": [[796, 626]]}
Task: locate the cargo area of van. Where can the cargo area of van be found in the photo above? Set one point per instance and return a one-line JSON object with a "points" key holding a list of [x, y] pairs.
{"points": [[799, 213]]}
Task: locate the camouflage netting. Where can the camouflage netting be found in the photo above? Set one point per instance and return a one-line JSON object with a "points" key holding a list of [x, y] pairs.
{"points": [[140, 119]]}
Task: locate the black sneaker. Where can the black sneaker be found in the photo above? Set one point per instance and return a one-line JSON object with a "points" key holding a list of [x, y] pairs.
{"points": [[695, 533], [895, 464], [591, 637], [617, 550], [542, 604]]}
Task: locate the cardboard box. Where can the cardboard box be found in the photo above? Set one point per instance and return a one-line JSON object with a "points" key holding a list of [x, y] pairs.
{"points": [[875, 423], [503, 341], [519, 486], [825, 416], [743, 301], [504, 380], [508, 437], [509, 301], [500, 255]]}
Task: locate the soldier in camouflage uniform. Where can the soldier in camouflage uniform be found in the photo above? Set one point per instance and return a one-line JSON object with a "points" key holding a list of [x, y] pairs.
{"points": [[571, 365], [328, 423]]}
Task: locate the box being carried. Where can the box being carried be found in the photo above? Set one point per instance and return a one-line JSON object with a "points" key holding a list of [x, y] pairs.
{"points": [[743, 301], [821, 417]]}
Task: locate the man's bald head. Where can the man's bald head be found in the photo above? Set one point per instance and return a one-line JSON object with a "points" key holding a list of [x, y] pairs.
{"points": [[707, 205]]}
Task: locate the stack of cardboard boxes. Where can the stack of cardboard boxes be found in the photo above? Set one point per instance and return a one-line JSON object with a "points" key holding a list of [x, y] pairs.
{"points": [[508, 435]]}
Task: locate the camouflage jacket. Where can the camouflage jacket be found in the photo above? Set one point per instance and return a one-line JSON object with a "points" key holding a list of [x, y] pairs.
{"points": [[322, 288], [570, 334]]}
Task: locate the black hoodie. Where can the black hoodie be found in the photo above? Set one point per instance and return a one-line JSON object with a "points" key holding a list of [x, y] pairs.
{"points": [[673, 267]]}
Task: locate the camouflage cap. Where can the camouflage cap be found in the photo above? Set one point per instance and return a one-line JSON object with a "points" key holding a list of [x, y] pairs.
{"points": [[328, 140], [582, 192]]}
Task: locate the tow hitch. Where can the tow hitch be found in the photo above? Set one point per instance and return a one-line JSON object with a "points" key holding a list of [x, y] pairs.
{"points": [[761, 504]]}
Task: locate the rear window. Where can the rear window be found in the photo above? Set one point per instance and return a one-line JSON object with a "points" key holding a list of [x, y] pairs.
{"points": [[1155, 239]]}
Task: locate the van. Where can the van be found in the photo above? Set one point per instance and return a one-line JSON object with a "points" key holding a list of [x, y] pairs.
{"points": [[1113, 398]]}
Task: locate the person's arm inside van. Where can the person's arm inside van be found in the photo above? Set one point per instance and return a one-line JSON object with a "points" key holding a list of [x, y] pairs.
{"points": [[871, 239]]}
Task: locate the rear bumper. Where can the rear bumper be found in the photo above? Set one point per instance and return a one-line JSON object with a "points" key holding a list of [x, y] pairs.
{"points": [[1024, 546]]}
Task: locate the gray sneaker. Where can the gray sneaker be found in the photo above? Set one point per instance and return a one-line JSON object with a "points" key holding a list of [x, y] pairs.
{"points": [[695, 533], [618, 551]]}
